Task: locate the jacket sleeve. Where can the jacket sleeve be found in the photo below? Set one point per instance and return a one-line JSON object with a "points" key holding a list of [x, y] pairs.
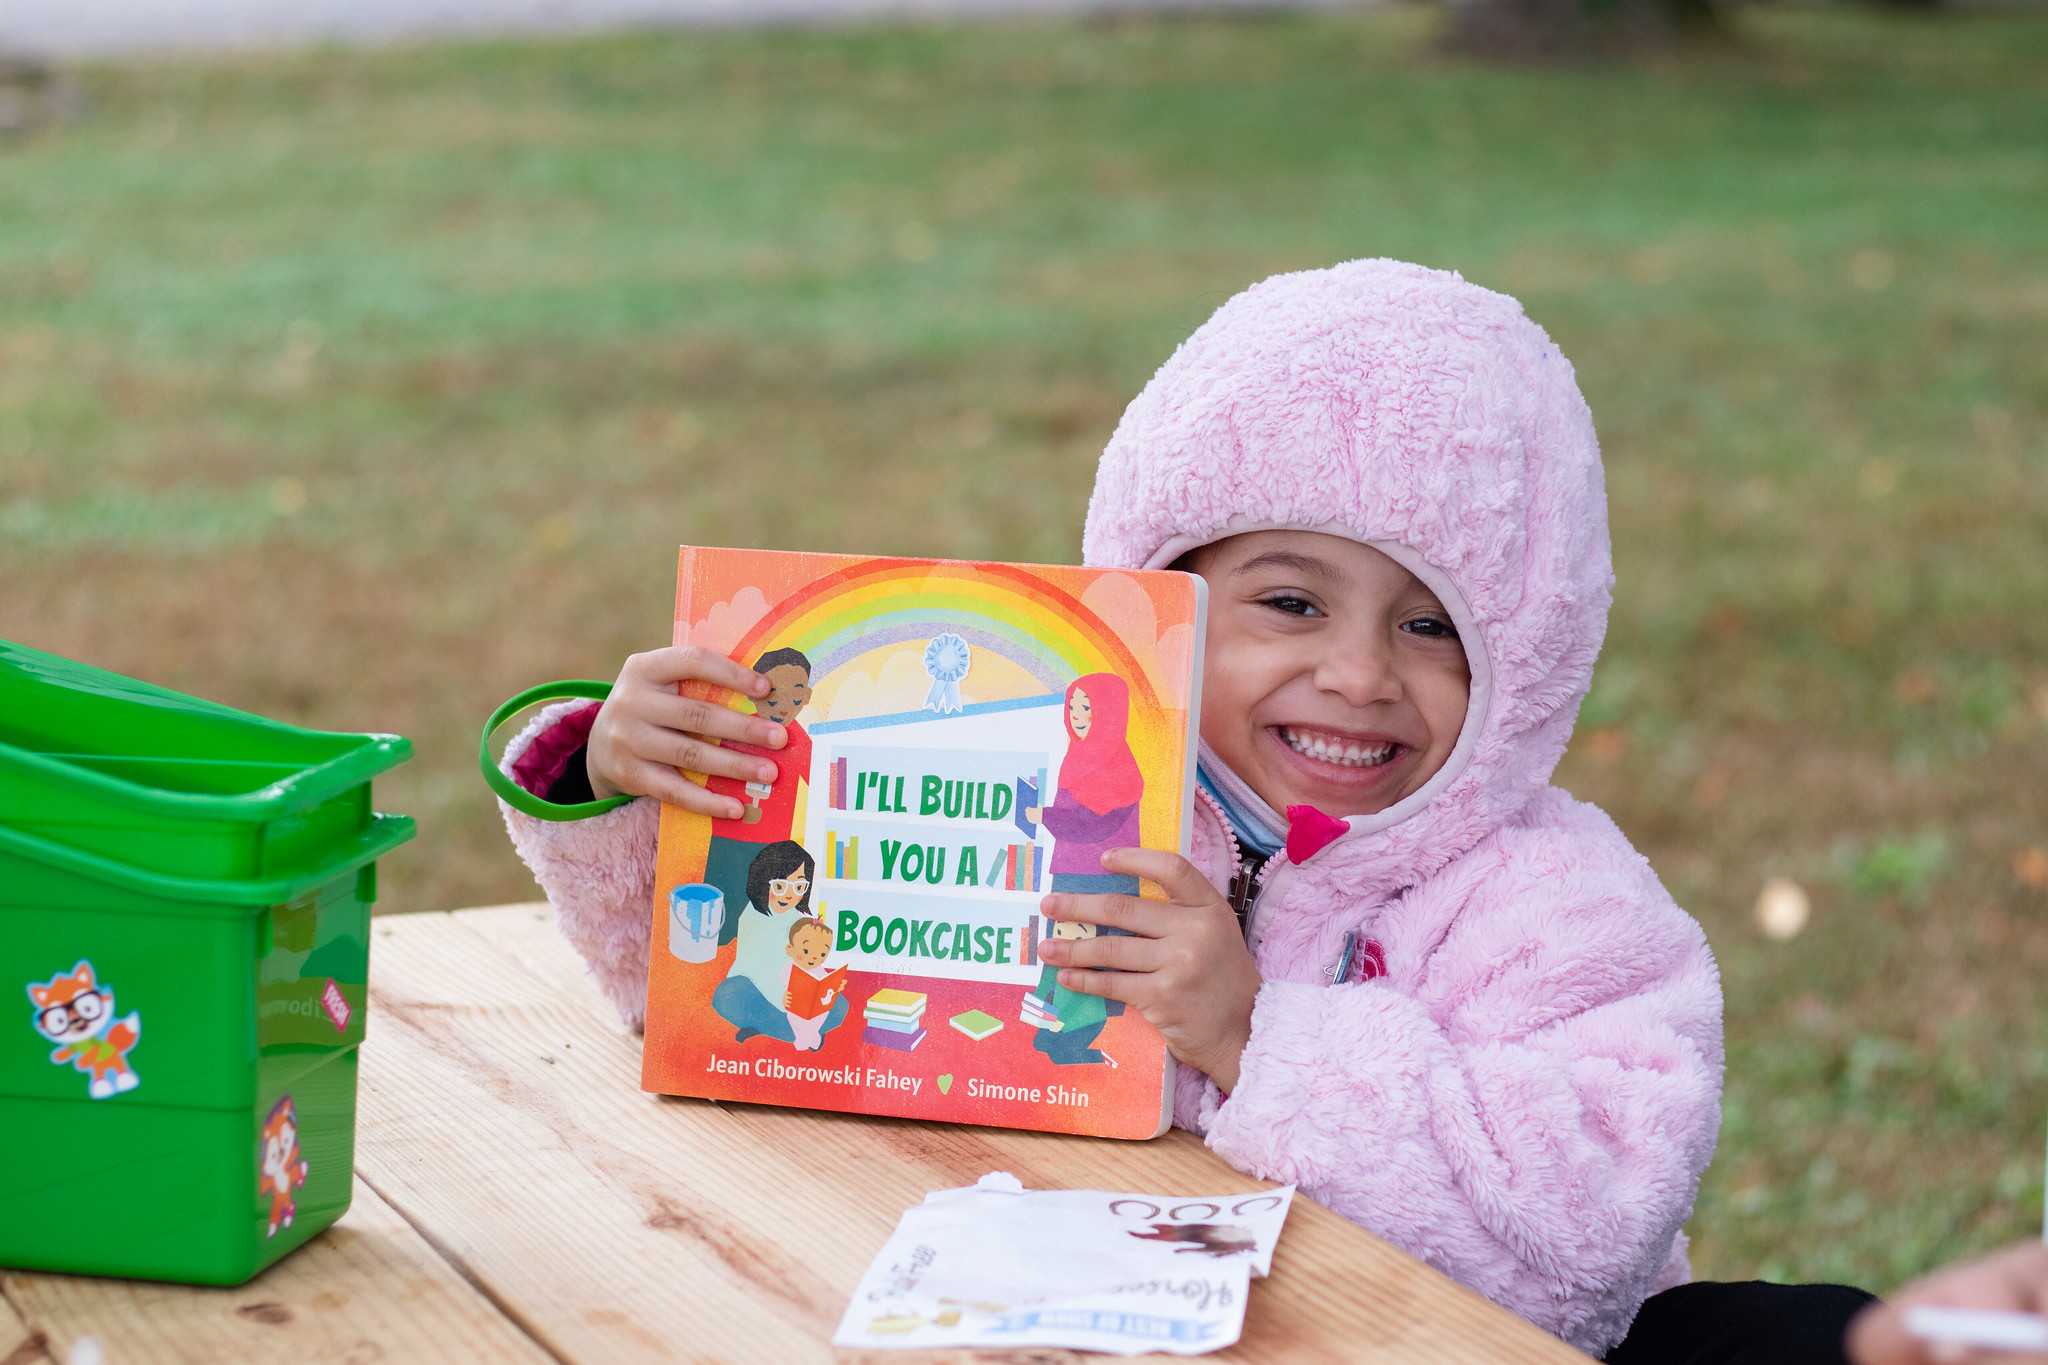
{"points": [[1530, 1111], [598, 873]]}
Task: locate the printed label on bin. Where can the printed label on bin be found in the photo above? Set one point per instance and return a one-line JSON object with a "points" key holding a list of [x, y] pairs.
{"points": [[313, 1009], [336, 1005], [282, 1170], [76, 1012]]}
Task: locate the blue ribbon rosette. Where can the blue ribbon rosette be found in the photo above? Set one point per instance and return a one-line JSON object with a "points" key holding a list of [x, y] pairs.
{"points": [[946, 660]]}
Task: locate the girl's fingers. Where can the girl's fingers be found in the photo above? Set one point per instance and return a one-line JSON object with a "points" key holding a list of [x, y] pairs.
{"points": [[693, 715], [1175, 874], [1112, 952], [691, 663], [694, 754], [1133, 913], [1109, 985], [654, 779]]}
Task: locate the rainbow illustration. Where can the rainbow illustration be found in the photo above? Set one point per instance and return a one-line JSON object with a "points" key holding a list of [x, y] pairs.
{"points": [[998, 607]]}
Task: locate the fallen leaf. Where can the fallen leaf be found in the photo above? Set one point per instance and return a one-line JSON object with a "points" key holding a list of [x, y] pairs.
{"points": [[1782, 908], [2030, 865]]}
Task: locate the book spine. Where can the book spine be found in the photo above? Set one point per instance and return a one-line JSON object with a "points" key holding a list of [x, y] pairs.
{"points": [[853, 858], [1031, 941]]}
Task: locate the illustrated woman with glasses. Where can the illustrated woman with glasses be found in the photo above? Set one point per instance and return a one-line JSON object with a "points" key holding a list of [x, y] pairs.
{"points": [[778, 895]]}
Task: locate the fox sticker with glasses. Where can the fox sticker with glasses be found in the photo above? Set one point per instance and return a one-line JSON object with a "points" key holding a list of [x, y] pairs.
{"points": [[962, 738], [76, 1012]]}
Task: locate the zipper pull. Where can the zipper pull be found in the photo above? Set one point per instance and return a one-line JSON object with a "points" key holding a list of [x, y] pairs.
{"points": [[1342, 970], [1241, 895]]}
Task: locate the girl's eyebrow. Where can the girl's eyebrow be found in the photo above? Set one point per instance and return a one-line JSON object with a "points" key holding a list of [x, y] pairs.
{"points": [[1286, 559]]}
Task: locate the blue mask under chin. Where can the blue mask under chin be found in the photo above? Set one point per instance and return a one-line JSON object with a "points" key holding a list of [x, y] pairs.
{"points": [[1258, 826]]}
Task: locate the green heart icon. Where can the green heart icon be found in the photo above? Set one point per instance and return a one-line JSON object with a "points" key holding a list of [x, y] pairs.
{"points": [[945, 1083]]}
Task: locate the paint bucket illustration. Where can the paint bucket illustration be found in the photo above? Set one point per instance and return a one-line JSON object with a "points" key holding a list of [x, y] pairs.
{"points": [[696, 912]]}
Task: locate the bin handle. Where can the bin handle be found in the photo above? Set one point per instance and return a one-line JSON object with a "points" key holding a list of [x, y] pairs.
{"points": [[517, 796]]}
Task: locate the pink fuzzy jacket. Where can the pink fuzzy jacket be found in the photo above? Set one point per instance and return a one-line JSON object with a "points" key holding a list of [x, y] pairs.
{"points": [[1528, 1093]]}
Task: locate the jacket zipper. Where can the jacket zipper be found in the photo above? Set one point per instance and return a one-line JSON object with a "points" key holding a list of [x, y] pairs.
{"points": [[1247, 888], [1240, 891]]}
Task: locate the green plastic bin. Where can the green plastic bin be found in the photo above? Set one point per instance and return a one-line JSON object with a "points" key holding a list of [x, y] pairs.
{"points": [[177, 1077]]}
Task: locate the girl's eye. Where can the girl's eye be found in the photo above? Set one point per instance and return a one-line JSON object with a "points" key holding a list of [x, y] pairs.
{"points": [[1433, 627], [1293, 606]]}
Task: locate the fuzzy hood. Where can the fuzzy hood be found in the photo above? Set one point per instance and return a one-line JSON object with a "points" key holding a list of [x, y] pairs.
{"points": [[1430, 419]]}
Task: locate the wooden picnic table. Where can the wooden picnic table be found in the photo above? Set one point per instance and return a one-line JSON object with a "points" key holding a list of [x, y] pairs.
{"points": [[519, 1199]]}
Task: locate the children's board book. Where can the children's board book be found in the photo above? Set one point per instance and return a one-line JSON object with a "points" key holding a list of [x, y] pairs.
{"points": [[962, 739]]}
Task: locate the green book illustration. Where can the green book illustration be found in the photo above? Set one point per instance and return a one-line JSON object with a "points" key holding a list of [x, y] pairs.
{"points": [[975, 1024]]}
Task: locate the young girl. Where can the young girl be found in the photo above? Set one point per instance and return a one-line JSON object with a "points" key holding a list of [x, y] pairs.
{"points": [[1459, 1009]]}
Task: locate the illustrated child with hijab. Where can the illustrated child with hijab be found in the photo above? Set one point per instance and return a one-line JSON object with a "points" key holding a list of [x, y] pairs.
{"points": [[752, 994], [768, 809], [1094, 809]]}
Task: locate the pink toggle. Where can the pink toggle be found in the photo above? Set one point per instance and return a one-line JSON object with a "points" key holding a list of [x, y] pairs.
{"points": [[1309, 832]]}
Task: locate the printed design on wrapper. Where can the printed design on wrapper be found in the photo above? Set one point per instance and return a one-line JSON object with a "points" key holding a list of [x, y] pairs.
{"points": [[280, 1170], [1372, 961], [1206, 1239], [76, 1012]]}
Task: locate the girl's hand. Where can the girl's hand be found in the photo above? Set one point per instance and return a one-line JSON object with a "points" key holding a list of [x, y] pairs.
{"points": [[1187, 970], [2014, 1280], [645, 732]]}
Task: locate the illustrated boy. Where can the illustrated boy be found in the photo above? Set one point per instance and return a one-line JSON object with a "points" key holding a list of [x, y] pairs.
{"points": [[1079, 1017], [809, 941], [770, 808]]}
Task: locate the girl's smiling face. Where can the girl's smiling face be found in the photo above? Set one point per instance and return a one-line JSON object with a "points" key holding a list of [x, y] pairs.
{"points": [[1080, 713], [1332, 677]]}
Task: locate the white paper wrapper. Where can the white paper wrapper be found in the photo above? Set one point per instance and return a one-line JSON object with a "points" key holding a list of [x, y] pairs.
{"points": [[996, 1265]]}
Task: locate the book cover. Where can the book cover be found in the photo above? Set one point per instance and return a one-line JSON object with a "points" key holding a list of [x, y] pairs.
{"points": [[962, 738], [808, 996]]}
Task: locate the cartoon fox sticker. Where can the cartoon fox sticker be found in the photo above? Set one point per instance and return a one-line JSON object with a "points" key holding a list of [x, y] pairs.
{"points": [[281, 1170], [76, 1013]]}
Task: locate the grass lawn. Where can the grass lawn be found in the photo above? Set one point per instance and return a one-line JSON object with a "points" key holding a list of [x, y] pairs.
{"points": [[366, 388]]}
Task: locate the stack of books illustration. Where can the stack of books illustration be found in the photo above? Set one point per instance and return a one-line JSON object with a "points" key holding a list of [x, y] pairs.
{"points": [[895, 1020], [1036, 1014]]}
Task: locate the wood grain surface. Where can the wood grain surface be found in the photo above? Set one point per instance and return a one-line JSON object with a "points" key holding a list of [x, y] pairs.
{"points": [[369, 1290], [519, 1199], [20, 1344], [500, 1112]]}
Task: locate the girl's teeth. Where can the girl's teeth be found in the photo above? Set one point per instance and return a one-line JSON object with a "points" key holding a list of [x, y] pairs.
{"points": [[1344, 755]]}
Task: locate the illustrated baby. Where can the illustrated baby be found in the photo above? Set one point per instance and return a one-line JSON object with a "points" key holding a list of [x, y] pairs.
{"points": [[810, 988]]}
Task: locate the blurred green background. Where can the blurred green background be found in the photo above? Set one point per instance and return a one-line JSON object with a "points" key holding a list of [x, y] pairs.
{"points": [[364, 388]]}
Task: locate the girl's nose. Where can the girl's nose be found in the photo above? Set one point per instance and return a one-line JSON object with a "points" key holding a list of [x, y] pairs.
{"points": [[1359, 668]]}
